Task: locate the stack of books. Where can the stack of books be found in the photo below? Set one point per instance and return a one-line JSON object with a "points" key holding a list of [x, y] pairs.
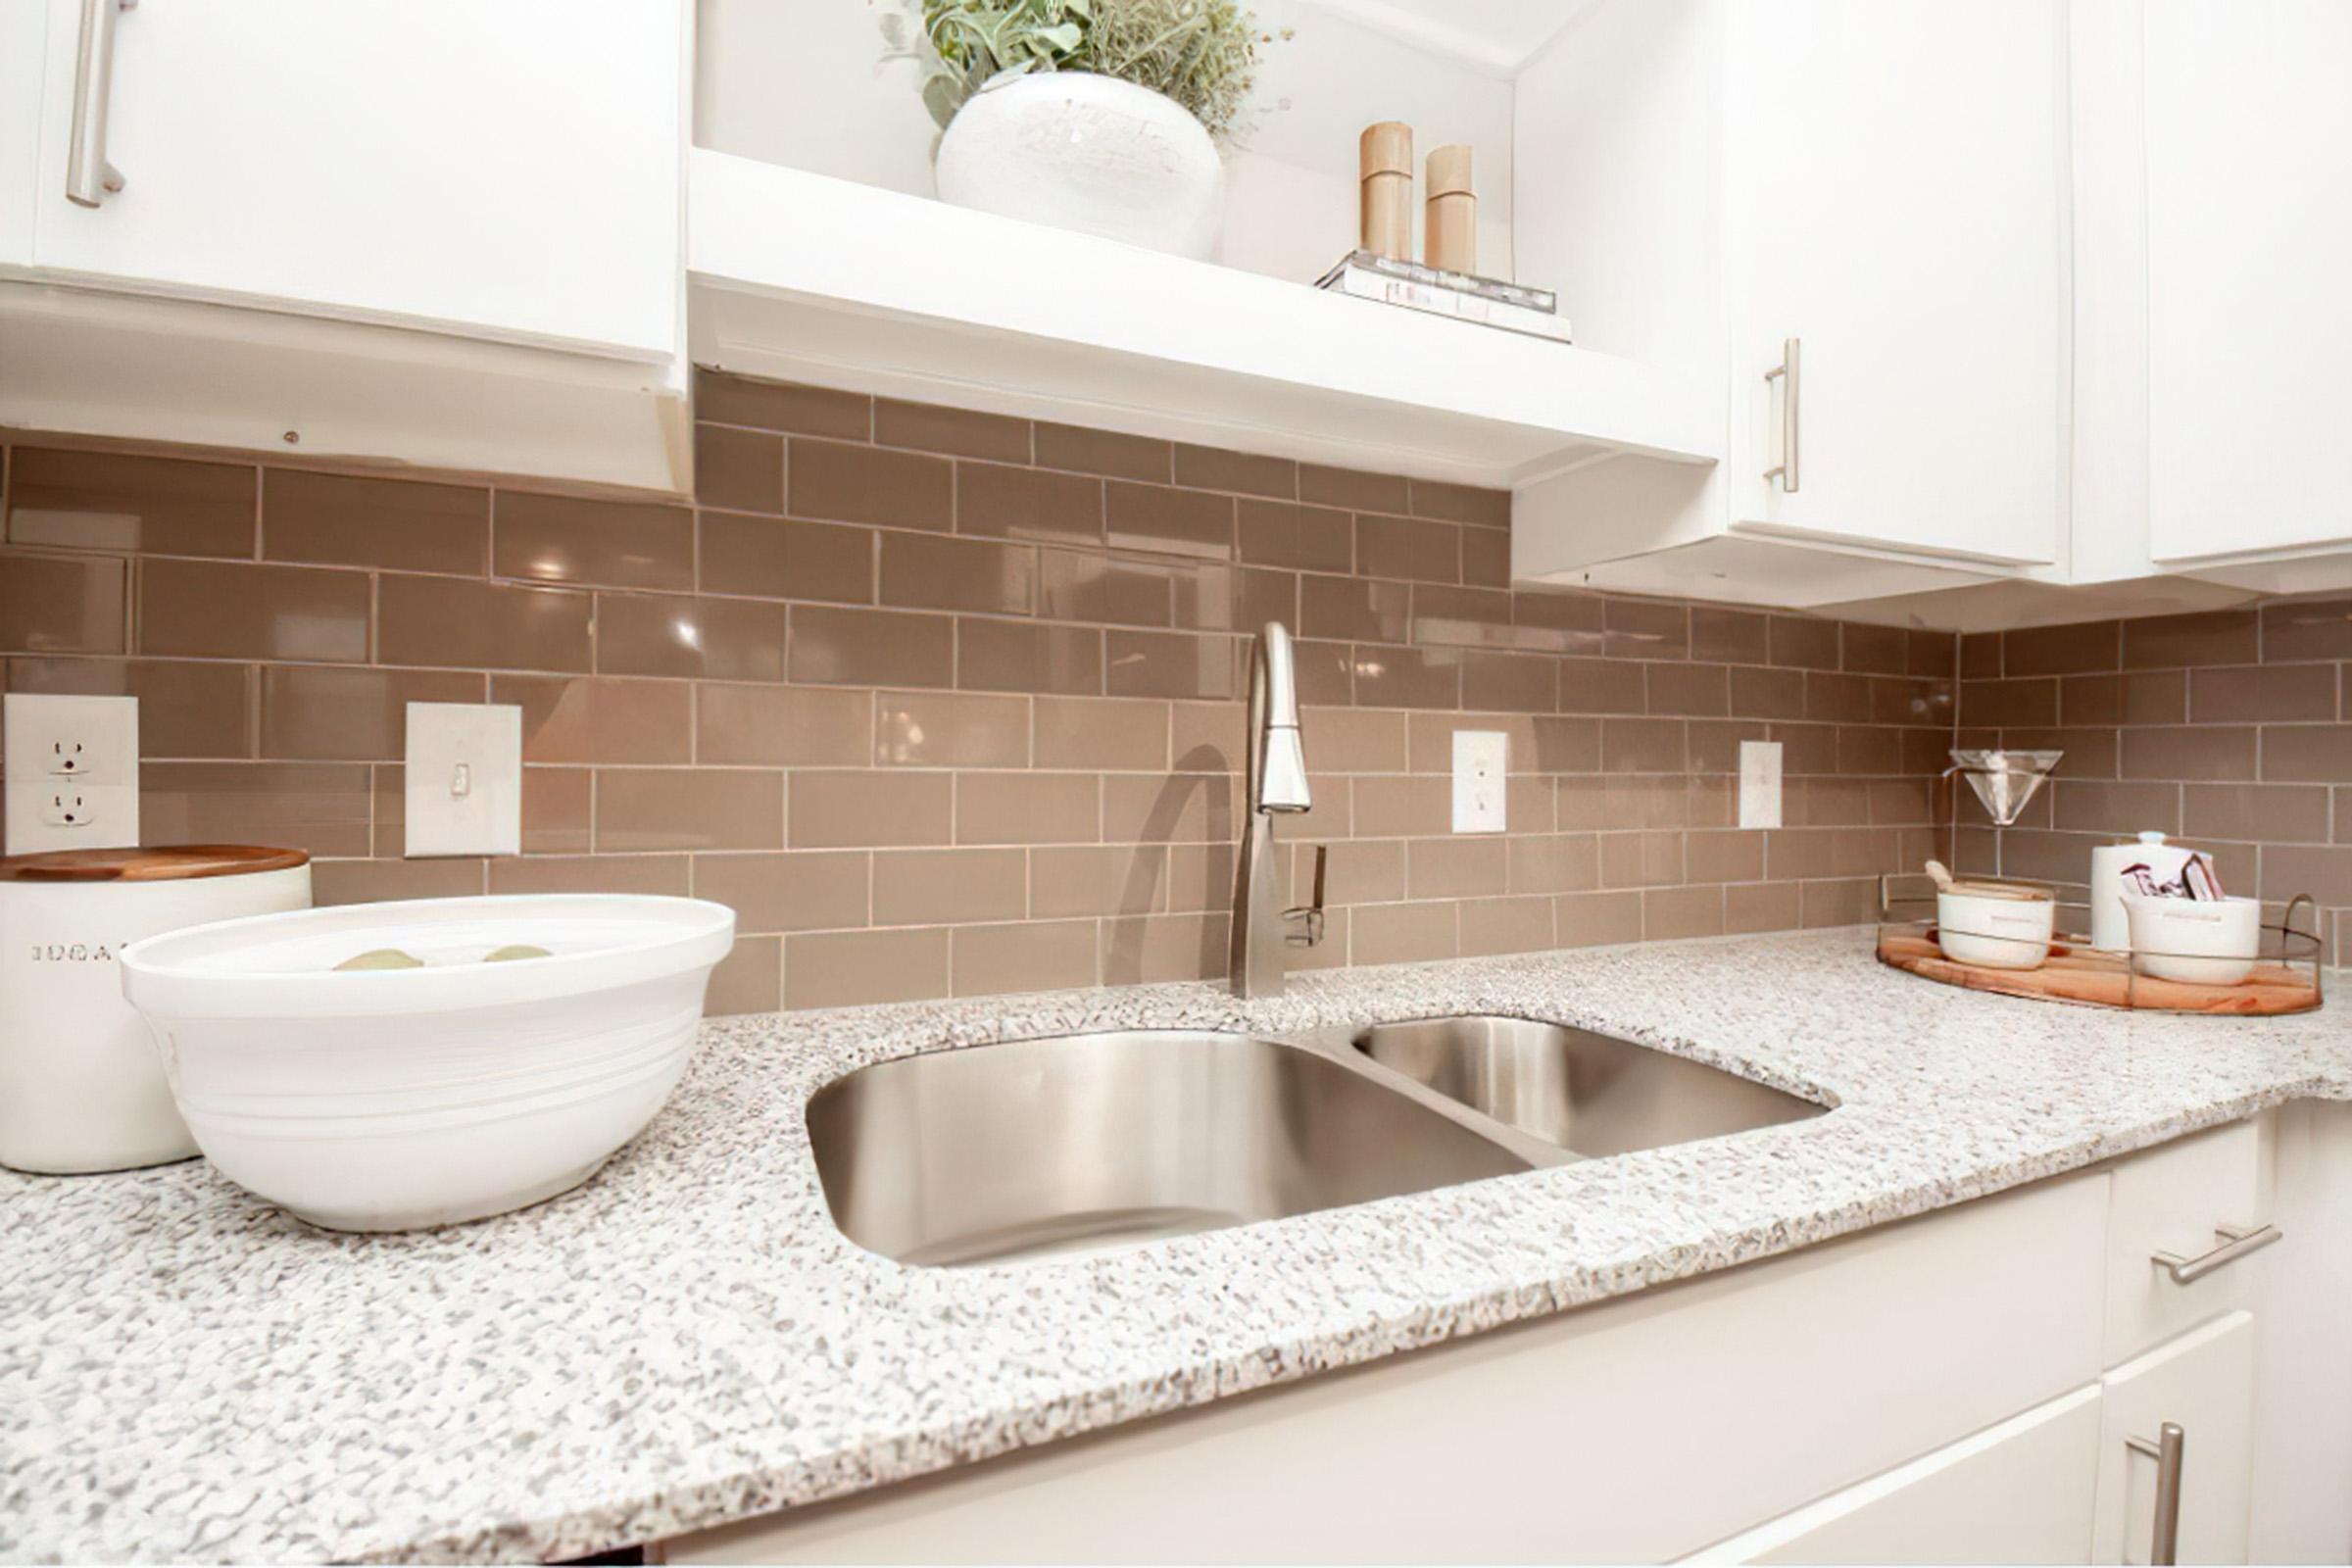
{"points": [[1487, 301]]}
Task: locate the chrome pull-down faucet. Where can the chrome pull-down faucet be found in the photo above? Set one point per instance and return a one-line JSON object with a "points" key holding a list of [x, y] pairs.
{"points": [[1277, 782]]}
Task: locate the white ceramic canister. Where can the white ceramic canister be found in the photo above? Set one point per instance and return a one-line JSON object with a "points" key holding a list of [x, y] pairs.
{"points": [[2109, 923], [81, 1083]]}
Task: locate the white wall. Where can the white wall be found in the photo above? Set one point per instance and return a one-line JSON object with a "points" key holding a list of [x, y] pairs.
{"points": [[803, 83], [1618, 131]]}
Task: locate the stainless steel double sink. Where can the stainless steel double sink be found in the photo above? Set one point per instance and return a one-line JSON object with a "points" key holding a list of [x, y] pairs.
{"points": [[1041, 1149]]}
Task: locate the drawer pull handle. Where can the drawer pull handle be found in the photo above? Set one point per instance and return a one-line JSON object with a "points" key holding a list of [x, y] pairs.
{"points": [[2237, 1243], [2164, 1539]]}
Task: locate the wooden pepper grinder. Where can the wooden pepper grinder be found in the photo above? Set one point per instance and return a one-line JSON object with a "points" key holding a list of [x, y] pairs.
{"points": [[1449, 227], [1385, 156]]}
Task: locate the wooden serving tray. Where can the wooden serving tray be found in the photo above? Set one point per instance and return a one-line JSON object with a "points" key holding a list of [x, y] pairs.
{"points": [[2083, 974]]}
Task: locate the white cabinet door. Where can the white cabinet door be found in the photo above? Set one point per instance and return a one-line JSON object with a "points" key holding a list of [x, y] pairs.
{"points": [[24, 24], [1894, 201], [2203, 1381], [507, 169], [2249, 245], [2020, 1492]]}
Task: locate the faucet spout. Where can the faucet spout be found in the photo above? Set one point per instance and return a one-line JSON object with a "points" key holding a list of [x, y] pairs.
{"points": [[1277, 782], [1277, 761]]}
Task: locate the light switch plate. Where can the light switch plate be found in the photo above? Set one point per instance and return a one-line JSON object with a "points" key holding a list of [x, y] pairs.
{"points": [[1482, 759], [73, 768], [464, 779], [1759, 783]]}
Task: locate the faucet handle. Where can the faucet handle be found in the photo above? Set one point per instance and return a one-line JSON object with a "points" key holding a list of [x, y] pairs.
{"points": [[1310, 916]]}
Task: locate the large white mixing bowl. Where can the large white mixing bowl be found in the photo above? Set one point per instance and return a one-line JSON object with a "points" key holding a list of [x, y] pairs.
{"points": [[389, 1099]]}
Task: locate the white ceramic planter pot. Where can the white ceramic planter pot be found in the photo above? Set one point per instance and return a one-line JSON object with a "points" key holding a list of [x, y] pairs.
{"points": [[1090, 153]]}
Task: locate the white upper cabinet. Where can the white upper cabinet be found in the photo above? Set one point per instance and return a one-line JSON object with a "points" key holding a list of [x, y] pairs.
{"points": [[1893, 204], [2249, 246], [24, 24], [506, 169], [1872, 190], [445, 232]]}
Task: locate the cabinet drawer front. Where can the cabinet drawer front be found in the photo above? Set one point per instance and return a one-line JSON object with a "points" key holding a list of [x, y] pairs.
{"points": [[1629, 1431], [2173, 1200], [2204, 1383], [2020, 1492]]}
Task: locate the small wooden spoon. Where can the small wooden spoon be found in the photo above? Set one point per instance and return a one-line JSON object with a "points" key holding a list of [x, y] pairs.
{"points": [[1941, 876]]}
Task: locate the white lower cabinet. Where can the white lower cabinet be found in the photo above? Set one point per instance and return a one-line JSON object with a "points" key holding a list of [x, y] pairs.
{"points": [[2014, 1493], [2203, 1383], [1630, 1431], [2302, 1509], [1943, 1390]]}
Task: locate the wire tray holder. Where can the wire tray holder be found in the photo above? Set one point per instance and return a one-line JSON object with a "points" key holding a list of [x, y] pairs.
{"points": [[2288, 974]]}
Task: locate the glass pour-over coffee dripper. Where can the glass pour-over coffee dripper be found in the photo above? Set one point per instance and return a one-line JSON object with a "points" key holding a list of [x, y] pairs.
{"points": [[2003, 781]]}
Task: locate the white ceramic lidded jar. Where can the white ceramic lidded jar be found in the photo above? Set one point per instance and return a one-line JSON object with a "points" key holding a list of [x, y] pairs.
{"points": [[2110, 922], [81, 1083]]}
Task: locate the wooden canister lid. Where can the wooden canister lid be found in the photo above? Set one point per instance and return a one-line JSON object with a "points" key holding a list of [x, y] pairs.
{"points": [[1385, 149], [173, 863], [1449, 171]]}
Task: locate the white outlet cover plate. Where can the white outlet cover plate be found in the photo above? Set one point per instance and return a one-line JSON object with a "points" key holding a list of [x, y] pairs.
{"points": [[1482, 762], [1759, 783], [73, 770], [464, 783]]}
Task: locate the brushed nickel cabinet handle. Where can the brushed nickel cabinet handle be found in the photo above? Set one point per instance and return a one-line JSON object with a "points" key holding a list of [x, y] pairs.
{"points": [[2164, 1536], [1787, 372], [89, 178], [2237, 1243]]}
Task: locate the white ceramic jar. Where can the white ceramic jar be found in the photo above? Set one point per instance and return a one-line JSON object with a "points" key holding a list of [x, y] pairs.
{"points": [[1086, 152], [2110, 924], [81, 1083]]}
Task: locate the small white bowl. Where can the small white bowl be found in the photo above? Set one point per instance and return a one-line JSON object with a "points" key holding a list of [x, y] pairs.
{"points": [[1994, 931], [2206, 942], [388, 1100]]}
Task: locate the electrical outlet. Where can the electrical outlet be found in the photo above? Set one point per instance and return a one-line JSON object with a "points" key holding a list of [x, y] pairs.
{"points": [[464, 779], [1759, 783], [72, 771], [1481, 760], [68, 807]]}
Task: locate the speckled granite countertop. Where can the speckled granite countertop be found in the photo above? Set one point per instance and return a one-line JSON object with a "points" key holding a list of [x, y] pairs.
{"points": [[187, 1373]]}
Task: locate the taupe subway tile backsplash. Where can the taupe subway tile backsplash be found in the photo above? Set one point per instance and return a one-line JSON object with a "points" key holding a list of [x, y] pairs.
{"points": [[945, 701]]}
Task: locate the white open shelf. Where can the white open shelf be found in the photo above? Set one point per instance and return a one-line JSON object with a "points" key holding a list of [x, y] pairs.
{"points": [[805, 277]]}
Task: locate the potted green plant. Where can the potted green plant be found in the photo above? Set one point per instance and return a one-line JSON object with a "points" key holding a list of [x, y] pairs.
{"points": [[1097, 115]]}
